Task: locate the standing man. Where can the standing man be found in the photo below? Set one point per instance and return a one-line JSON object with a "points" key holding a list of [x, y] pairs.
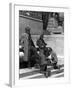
{"points": [[45, 17], [31, 49], [24, 42]]}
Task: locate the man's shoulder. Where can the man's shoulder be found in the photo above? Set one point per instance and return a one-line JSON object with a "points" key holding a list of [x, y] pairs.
{"points": [[24, 35]]}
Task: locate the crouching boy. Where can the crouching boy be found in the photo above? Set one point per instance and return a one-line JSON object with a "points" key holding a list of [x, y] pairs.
{"points": [[53, 58]]}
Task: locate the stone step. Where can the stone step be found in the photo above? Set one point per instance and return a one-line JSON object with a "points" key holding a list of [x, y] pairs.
{"points": [[52, 23]]}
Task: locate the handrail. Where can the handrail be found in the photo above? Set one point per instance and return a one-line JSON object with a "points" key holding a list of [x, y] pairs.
{"points": [[30, 18]]}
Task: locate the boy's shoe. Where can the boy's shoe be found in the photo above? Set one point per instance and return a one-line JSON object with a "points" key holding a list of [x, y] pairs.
{"points": [[56, 67], [47, 74]]}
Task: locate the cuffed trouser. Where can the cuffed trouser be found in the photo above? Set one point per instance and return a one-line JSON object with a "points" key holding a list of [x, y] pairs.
{"points": [[43, 67]]}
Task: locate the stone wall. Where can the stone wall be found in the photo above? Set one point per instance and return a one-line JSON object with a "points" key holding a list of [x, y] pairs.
{"points": [[35, 25]]}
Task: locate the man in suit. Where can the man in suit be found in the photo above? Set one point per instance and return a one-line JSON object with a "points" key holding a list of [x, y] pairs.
{"points": [[45, 17], [32, 51]]}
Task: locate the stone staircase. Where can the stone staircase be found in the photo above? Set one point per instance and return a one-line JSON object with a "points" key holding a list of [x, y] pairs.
{"points": [[53, 27]]}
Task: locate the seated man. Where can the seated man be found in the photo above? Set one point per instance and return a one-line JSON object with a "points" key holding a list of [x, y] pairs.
{"points": [[42, 47], [43, 62], [49, 54], [40, 42]]}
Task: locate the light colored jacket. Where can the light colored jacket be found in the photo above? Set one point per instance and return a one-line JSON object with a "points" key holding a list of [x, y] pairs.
{"points": [[25, 45]]}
